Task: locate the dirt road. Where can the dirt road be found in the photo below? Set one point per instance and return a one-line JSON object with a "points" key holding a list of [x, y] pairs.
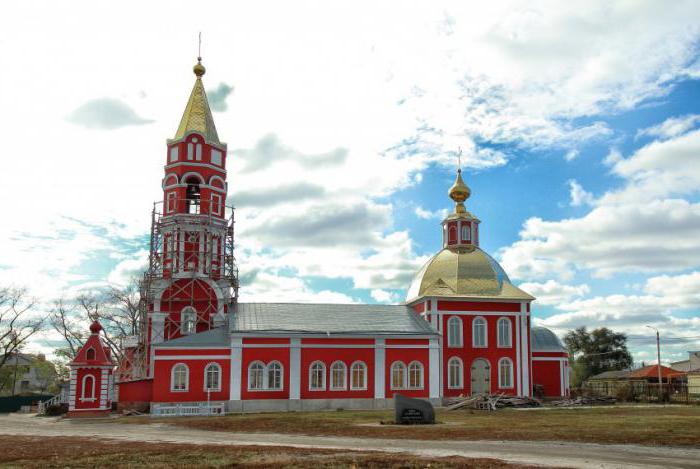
{"points": [[541, 453]]}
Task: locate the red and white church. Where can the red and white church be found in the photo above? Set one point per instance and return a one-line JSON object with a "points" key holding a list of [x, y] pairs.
{"points": [[464, 327]]}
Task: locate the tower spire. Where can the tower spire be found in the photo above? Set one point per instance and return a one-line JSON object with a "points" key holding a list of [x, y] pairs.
{"points": [[459, 192], [197, 116]]}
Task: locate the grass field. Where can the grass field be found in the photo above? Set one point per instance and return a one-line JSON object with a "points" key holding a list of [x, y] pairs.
{"points": [[61, 452], [654, 425]]}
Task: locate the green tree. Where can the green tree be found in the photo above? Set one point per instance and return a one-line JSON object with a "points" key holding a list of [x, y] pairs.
{"points": [[597, 351]]}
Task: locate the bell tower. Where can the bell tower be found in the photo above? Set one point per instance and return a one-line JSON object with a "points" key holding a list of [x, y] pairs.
{"points": [[460, 230], [191, 283]]}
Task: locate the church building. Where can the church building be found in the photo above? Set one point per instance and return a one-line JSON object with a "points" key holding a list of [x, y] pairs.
{"points": [[464, 327]]}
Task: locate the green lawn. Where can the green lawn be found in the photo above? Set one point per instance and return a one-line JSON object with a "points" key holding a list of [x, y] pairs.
{"points": [[654, 425]]}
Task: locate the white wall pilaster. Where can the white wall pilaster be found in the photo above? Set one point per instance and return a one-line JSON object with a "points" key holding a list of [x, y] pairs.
{"points": [[379, 368], [236, 368], [434, 367], [525, 350], [295, 369]]}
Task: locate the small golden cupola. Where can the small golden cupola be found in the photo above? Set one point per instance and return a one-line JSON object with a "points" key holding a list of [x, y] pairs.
{"points": [[460, 230]]}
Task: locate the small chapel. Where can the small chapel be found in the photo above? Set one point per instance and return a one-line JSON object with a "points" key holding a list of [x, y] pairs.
{"points": [[464, 327]]}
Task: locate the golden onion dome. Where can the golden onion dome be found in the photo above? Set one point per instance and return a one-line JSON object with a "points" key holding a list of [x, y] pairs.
{"points": [[464, 273], [199, 69], [459, 192]]}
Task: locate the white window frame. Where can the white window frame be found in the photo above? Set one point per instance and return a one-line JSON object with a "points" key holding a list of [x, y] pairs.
{"points": [[190, 151], [174, 154], [486, 332], [323, 376], [198, 152], [363, 367], [212, 366], [404, 376], [215, 204], [453, 341], [421, 375], [172, 202], [187, 378], [90, 398], [460, 373], [334, 366], [466, 232], [187, 310], [501, 362], [509, 342], [263, 369], [216, 155], [266, 378]]}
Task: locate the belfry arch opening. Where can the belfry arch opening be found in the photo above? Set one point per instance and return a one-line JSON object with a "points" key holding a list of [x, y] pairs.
{"points": [[192, 195]]}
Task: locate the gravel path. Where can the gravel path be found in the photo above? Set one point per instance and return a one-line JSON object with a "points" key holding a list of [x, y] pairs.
{"points": [[543, 453]]}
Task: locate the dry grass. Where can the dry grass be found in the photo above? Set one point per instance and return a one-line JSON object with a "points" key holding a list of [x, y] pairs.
{"points": [[60, 452], [675, 425]]}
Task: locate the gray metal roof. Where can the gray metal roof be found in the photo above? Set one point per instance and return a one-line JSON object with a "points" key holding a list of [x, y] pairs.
{"points": [[544, 340], [612, 374], [213, 338], [328, 319]]}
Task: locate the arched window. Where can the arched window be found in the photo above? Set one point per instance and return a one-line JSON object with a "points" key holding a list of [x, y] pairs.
{"points": [[454, 332], [358, 376], [317, 376], [192, 195], [338, 376], [256, 376], [454, 373], [453, 234], [505, 373], [188, 320], [180, 378], [398, 375], [274, 376], [415, 375], [504, 334], [88, 387], [479, 332], [90, 354], [466, 232], [212, 377]]}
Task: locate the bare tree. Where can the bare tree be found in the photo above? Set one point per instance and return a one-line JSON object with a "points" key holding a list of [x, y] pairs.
{"points": [[16, 323]]}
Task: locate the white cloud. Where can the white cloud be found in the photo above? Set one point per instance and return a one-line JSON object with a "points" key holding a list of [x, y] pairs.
{"points": [[671, 127], [384, 296], [554, 293], [571, 155], [579, 196], [428, 215]]}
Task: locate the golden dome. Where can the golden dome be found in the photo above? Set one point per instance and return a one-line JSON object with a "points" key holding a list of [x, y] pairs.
{"points": [[464, 273], [199, 69], [459, 192]]}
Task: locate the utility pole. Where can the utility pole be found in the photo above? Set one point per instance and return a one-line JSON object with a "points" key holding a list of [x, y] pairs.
{"points": [[658, 360]]}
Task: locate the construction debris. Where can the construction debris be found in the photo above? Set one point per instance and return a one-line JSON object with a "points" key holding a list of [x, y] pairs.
{"points": [[585, 400], [491, 402]]}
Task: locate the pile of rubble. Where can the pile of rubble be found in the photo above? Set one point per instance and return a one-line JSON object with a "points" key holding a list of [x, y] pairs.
{"points": [[490, 402], [585, 400]]}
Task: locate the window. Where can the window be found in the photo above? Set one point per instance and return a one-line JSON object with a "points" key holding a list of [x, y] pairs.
{"points": [[453, 234], [317, 376], [212, 377], [173, 154], [90, 354], [338, 376], [505, 373], [466, 232], [358, 376], [454, 332], [216, 204], [415, 375], [188, 320], [479, 332], [198, 152], [398, 375], [171, 202], [256, 375], [504, 335], [215, 157], [274, 376], [190, 151], [192, 195], [180, 377], [88, 387], [454, 373]]}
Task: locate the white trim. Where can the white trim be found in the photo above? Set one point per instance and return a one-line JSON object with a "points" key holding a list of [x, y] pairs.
{"points": [[340, 346], [186, 176], [525, 353], [188, 310], [553, 359], [434, 367], [264, 378], [212, 178], [324, 377], [201, 165], [236, 368], [422, 375], [486, 332], [192, 357], [511, 373], [379, 369], [344, 387], [363, 365], [498, 332], [91, 397], [168, 176], [459, 385], [481, 313], [518, 372], [403, 384], [455, 342], [172, 378]]}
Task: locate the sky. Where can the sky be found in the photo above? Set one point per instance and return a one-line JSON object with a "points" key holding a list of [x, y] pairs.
{"points": [[579, 124]]}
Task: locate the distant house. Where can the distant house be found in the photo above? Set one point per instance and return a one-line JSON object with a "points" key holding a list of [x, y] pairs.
{"points": [[609, 382], [31, 374], [691, 366]]}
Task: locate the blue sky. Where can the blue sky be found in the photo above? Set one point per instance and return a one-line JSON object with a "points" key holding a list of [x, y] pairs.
{"points": [[578, 124]]}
